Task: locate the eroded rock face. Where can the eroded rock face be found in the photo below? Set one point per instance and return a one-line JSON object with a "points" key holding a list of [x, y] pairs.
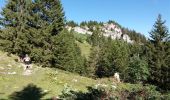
{"points": [[106, 29]]}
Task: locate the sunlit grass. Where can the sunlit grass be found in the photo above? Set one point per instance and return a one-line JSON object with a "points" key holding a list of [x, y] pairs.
{"points": [[49, 79]]}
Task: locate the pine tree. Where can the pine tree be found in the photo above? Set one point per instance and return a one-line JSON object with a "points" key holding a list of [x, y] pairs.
{"points": [[158, 54], [71, 23], [15, 21], [31, 26], [67, 54], [113, 58], [47, 22], [93, 61]]}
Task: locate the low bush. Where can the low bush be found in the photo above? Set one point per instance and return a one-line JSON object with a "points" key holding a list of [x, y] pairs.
{"points": [[122, 92]]}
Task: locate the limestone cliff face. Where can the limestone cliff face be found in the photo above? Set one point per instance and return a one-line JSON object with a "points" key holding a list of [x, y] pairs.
{"points": [[107, 29]]}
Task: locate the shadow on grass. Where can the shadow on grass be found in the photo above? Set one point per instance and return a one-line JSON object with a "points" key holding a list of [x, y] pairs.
{"points": [[30, 92]]}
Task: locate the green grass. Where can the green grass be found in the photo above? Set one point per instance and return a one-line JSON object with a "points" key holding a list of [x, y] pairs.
{"points": [[53, 80], [49, 79], [85, 48]]}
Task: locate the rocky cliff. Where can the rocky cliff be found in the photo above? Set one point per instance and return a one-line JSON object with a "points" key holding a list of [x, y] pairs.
{"points": [[107, 29]]}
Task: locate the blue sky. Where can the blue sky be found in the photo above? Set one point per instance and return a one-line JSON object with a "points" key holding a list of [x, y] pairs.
{"points": [[139, 15]]}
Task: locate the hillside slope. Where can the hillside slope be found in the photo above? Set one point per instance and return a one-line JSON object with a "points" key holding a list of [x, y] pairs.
{"points": [[52, 81], [46, 83]]}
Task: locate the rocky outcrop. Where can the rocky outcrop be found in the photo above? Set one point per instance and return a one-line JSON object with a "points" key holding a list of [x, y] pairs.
{"points": [[106, 29]]}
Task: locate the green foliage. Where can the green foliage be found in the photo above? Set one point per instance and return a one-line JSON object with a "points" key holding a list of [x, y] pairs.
{"points": [[158, 55], [31, 27], [92, 94], [137, 37], [138, 69], [113, 58], [14, 37], [67, 54], [123, 92], [71, 23], [80, 37], [114, 22], [91, 24], [93, 61], [95, 39], [137, 92]]}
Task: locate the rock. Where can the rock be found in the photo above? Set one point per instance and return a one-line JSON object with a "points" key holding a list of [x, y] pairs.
{"points": [[20, 66], [74, 80], [114, 87], [116, 76], [11, 73], [9, 65], [108, 29], [101, 85], [2, 68], [55, 78], [82, 31], [46, 91], [104, 85]]}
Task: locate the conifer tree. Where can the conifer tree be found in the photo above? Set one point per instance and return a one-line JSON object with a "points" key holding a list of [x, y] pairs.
{"points": [[15, 21], [31, 26], [158, 54], [93, 61], [47, 22], [67, 54], [113, 58]]}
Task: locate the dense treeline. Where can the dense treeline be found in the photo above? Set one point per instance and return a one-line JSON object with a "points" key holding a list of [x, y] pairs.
{"points": [[144, 61], [137, 37], [37, 28]]}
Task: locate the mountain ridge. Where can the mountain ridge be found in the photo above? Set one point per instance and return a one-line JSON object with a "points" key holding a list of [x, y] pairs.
{"points": [[109, 29]]}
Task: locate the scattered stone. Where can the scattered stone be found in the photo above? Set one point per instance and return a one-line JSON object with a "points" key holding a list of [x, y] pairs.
{"points": [[60, 82], [45, 91], [11, 73], [96, 86], [9, 65], [20, 66], [2, 68], [74, 80], [102, 85], [114, 87], [55, 78]]}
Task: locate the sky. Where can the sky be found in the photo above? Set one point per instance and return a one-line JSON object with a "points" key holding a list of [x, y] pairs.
{"points": [[139, 15]]}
